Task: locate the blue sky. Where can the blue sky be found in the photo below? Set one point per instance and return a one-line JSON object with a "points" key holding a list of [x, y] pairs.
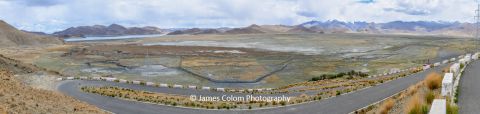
{"points": [[55, 15]]}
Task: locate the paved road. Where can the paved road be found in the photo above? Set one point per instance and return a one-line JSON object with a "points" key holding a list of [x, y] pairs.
{"points": [[469, 97], [337, 105]]}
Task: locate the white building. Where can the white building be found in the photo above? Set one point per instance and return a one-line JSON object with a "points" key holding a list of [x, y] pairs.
{"points": [[455, 68], [70, 78], [250, 90], [439, 106], [447, 84], [59, 79]]}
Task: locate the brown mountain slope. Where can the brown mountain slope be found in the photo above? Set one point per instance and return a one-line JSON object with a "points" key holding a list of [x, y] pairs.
{"points": [[18, 98], [10, 36], [252, 29]]}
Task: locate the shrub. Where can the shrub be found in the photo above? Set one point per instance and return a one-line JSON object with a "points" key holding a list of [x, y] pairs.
{"points": [[452, 109], [457, 92], [429, 97], [433, 80], [386, 106], [416, 106], [338, 93]]}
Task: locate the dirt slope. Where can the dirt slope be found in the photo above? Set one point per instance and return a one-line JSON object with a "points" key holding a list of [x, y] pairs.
{"points": [[10, 36]]}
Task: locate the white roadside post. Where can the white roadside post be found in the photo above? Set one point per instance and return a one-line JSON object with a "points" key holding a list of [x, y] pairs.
{"points": [[163, 85], [150, 84], [110, 79], [136, 82], [444, 61], [221, 89], [122, 81], [206, 88], [177, 86], [439, 106], [447, 84], [455, 69], [192, 87]]}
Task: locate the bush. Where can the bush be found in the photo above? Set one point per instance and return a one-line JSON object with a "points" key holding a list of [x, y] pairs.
{"points": [[429, 97], [433, 81], [416, 106], [452, 109], [386, 106]]}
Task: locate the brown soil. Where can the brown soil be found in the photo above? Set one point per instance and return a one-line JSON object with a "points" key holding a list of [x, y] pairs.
{"points": [[18, 98]]}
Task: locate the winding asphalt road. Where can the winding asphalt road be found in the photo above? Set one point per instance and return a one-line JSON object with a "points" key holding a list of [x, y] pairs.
{"points": [[337, 105], [469, 96]]}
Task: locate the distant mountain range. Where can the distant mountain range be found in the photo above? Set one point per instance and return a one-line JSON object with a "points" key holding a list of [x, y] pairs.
{"points": [[316, 27], [111, 30], [334, 26]]}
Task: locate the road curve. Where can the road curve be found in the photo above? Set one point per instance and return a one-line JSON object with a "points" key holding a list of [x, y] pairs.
{"points": [[337, 105], [469, 97]]}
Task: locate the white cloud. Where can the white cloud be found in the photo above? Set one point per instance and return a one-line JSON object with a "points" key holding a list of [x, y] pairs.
{"points": [[54, 15]]}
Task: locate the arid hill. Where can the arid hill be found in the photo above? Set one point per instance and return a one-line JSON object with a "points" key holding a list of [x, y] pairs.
{"points": [[10, 36], [18, 98]]}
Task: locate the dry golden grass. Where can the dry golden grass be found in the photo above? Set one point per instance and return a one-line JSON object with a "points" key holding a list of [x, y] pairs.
{"points": [[433, 80], [16, 97], [414, 105], [412, 90], [3, 110], [386, 106]]}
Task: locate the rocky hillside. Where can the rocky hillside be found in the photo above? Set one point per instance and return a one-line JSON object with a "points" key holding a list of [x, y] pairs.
{"points": [[10, 36], [111, 30], [16, 98]]}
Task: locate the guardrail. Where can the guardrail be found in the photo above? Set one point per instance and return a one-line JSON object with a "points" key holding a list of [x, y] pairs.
{"points": [[138, 82], [443, 62]]}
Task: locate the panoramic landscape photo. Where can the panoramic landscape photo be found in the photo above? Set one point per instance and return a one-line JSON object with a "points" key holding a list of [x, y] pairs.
{"points": [[239, 57]]}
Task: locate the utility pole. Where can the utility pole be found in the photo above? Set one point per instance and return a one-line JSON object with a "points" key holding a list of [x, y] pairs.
{"points": [[477, 21]]}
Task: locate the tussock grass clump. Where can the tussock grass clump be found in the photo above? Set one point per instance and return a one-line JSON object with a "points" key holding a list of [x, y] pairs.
{"points": [[412, 90], [416, 106], [429, 96], [386, 106], [452, 108], [433, 80]]}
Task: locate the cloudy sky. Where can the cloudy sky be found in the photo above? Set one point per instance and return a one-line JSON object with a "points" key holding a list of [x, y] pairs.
{"points": [[55, 15]]}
